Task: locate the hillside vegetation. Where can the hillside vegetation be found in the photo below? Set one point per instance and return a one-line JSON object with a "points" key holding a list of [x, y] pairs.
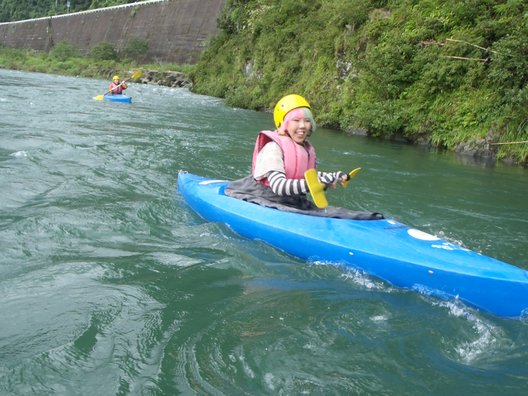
{"points": [[16, 10], [448, 73]]}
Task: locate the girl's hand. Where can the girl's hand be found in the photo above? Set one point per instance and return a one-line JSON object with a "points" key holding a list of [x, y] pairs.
{"points": [[332, 184], [342, 177]]}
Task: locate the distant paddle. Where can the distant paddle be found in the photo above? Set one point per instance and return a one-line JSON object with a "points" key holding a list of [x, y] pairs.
{"points": [[134, 76], [317, 189], [351, 174]]}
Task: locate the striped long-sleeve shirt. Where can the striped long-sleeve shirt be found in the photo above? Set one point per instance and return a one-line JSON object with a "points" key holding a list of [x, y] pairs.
{"points": [[280, 185]]}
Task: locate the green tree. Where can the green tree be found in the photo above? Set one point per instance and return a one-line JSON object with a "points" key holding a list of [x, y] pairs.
{"points": [[135, 49], [16, 10], [103, 51], [64, 50]]}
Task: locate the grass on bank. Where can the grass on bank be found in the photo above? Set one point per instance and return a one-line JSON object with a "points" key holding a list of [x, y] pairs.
{"points": [[102, 62]]}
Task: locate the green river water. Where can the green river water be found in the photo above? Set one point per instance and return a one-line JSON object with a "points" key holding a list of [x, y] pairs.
{"points": [[111, 285]]}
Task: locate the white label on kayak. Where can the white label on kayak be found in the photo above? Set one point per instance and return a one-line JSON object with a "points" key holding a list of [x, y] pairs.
{"points": [[445, 246], [212, 181], [424, 236]]}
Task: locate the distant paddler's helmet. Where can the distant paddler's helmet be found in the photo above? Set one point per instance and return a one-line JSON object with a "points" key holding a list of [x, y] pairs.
{"points": [[116, 78], [287, 104]]}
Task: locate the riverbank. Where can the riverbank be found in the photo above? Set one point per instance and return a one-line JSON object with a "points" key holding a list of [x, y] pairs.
{"points": [[450, 77], [169, 78], [482, 149], [66, 60]]}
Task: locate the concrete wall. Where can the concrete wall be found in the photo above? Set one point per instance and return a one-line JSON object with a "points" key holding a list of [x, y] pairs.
{"points": [[176, 30]]}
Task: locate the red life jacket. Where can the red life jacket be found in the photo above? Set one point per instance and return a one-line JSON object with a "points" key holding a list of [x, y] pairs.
{"points": [[116, 88], [297, 159]]}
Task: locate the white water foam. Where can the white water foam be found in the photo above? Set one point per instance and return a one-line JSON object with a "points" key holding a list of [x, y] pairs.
{"points": [[19, 154]]}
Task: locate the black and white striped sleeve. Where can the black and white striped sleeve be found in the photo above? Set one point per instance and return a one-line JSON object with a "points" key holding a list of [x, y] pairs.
{"points": [[282, 186], [330, 177]]}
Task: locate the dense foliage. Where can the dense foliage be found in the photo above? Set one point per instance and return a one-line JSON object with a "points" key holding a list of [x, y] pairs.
{"points": [[16, 10], [444, 72], [63, 59], [103, 61]]}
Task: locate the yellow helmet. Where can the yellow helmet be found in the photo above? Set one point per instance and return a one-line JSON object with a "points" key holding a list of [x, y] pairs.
{"points": [[287, 104], [115, 78]]}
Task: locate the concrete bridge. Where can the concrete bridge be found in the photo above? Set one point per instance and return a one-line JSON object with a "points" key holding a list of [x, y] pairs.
{"points": [[176, 31]]}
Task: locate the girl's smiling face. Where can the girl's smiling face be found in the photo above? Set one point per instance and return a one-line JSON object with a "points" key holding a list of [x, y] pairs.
{"points": [[298, 124]]}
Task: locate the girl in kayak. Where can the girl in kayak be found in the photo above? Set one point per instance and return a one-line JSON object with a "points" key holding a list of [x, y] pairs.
{"points": [[281, 157], [116, 87]]}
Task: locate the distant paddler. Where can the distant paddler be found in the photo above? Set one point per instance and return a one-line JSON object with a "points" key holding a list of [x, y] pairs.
{"points": [[117, 86]]}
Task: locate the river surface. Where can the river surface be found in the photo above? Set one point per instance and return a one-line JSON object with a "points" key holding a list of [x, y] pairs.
{"points": [[111, 285]]}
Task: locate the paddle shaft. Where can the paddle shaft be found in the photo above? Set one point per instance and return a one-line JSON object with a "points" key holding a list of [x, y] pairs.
{"points": [[118, 85]]}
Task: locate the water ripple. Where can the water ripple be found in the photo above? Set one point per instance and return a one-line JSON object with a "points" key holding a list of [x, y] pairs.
{"points": [[110, 284]]}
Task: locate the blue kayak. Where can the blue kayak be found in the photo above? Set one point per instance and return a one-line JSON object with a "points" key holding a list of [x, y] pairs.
{"points": [[385, 248], [119, 98]]}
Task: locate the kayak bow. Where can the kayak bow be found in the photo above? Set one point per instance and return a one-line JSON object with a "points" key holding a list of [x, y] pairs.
{"points": [[385, 248]]}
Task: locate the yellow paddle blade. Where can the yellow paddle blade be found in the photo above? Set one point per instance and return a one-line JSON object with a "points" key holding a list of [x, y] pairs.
{"points": [[350, 176], [136, 75], [316, 188], [99, 97]]}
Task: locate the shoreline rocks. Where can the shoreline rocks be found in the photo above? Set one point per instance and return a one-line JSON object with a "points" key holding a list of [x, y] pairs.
{"points": [[171, 79]]}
